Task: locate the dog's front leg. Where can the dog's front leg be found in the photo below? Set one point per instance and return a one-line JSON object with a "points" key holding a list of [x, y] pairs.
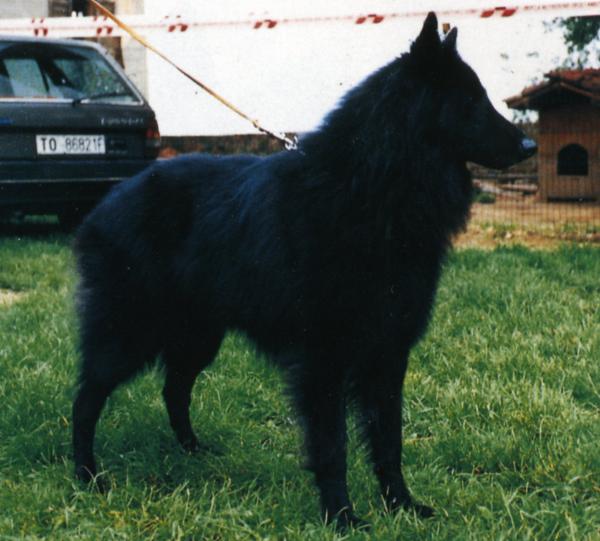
{"points": [[380, 395], [321, 404]]}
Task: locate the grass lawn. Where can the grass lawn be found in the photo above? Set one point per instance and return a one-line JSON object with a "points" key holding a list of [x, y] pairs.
{"points": [[502, 411]]}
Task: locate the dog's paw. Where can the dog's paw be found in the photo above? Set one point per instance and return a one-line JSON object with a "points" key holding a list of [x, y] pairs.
{"points": [[191, 445], [85, 473], [347, 520], [423, 511], [395, 504], [88, 477]]}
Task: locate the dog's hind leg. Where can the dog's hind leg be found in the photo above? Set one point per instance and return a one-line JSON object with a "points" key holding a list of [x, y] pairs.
{"points": [[87, 406], [184, 360], [320, 400], [380, 398], [103, 368]]}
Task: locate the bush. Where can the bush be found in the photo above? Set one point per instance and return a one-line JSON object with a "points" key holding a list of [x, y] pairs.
{"points": [[485, 197]]}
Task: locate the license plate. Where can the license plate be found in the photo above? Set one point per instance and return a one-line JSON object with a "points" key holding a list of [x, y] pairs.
{"points": [[70, 144]]}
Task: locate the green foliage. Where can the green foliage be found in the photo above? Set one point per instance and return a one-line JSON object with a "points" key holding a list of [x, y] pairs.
{"points": [[502, 419], [581, 35], [485, 198]]}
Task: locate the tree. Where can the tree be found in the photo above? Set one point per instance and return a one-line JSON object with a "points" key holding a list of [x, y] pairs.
{"points": [[582, 37]]}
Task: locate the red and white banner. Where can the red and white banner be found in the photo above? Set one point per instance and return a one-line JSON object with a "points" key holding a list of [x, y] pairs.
{"points": [[289, 62], [173, 24]]}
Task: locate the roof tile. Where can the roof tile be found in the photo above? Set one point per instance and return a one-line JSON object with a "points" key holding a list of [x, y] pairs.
{"points": [[586, 80]]}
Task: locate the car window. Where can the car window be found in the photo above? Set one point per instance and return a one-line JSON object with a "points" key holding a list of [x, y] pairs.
{"points": [[29, 71], [25, 77]]}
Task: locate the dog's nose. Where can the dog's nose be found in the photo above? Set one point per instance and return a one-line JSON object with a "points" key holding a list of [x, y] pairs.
{"points": [[528, 147]]}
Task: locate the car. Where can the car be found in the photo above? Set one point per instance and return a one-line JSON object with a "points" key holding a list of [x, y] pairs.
{"points": [[71, 126]]}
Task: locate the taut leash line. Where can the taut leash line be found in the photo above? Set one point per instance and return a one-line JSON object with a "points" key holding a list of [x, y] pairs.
{"points": [[289, 142]]}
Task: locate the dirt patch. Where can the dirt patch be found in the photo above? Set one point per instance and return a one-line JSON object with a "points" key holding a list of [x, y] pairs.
{"points": [[9, 297], [524, 220], [527, 211], [488, 238]]}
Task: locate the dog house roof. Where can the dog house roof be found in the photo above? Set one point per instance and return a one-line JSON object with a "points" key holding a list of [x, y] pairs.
{"points": [[560, 87]]}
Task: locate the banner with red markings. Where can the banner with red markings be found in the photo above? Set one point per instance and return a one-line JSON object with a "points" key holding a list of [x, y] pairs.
{"points": [[102, 26]]}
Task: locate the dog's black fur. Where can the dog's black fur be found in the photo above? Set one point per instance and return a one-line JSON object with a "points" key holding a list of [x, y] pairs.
{"points": [[327, 257]]}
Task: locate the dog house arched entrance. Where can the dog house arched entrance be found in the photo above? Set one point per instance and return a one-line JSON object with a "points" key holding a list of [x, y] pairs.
{"points": [[572, 159]]}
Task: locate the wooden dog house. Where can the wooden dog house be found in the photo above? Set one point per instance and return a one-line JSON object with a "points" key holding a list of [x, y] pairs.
{"points": [[568, 102]]}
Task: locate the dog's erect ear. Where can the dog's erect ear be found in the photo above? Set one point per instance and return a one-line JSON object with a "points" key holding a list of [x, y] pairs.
{"points": [[429, 26], [450, 40], [428, 41]]}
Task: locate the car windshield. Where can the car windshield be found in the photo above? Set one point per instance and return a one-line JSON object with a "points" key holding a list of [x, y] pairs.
{"points": [[32, 71]]}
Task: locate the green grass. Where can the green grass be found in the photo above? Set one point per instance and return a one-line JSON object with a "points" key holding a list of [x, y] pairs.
{"points": [[502, 411]]}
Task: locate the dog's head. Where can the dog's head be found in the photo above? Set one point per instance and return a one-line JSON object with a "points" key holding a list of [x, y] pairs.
{"points": [[466, 119]]}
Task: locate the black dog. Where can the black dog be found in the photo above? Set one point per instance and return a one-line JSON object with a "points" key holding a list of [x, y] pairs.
{"points": [[327, 257]]}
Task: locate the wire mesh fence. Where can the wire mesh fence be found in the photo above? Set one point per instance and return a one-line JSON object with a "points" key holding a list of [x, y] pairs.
{"points": [[507, 205], [512, 204], [523, 216]]}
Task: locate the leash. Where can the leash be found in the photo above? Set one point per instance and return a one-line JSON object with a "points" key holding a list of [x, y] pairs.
{"points": [[290, 143]]}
